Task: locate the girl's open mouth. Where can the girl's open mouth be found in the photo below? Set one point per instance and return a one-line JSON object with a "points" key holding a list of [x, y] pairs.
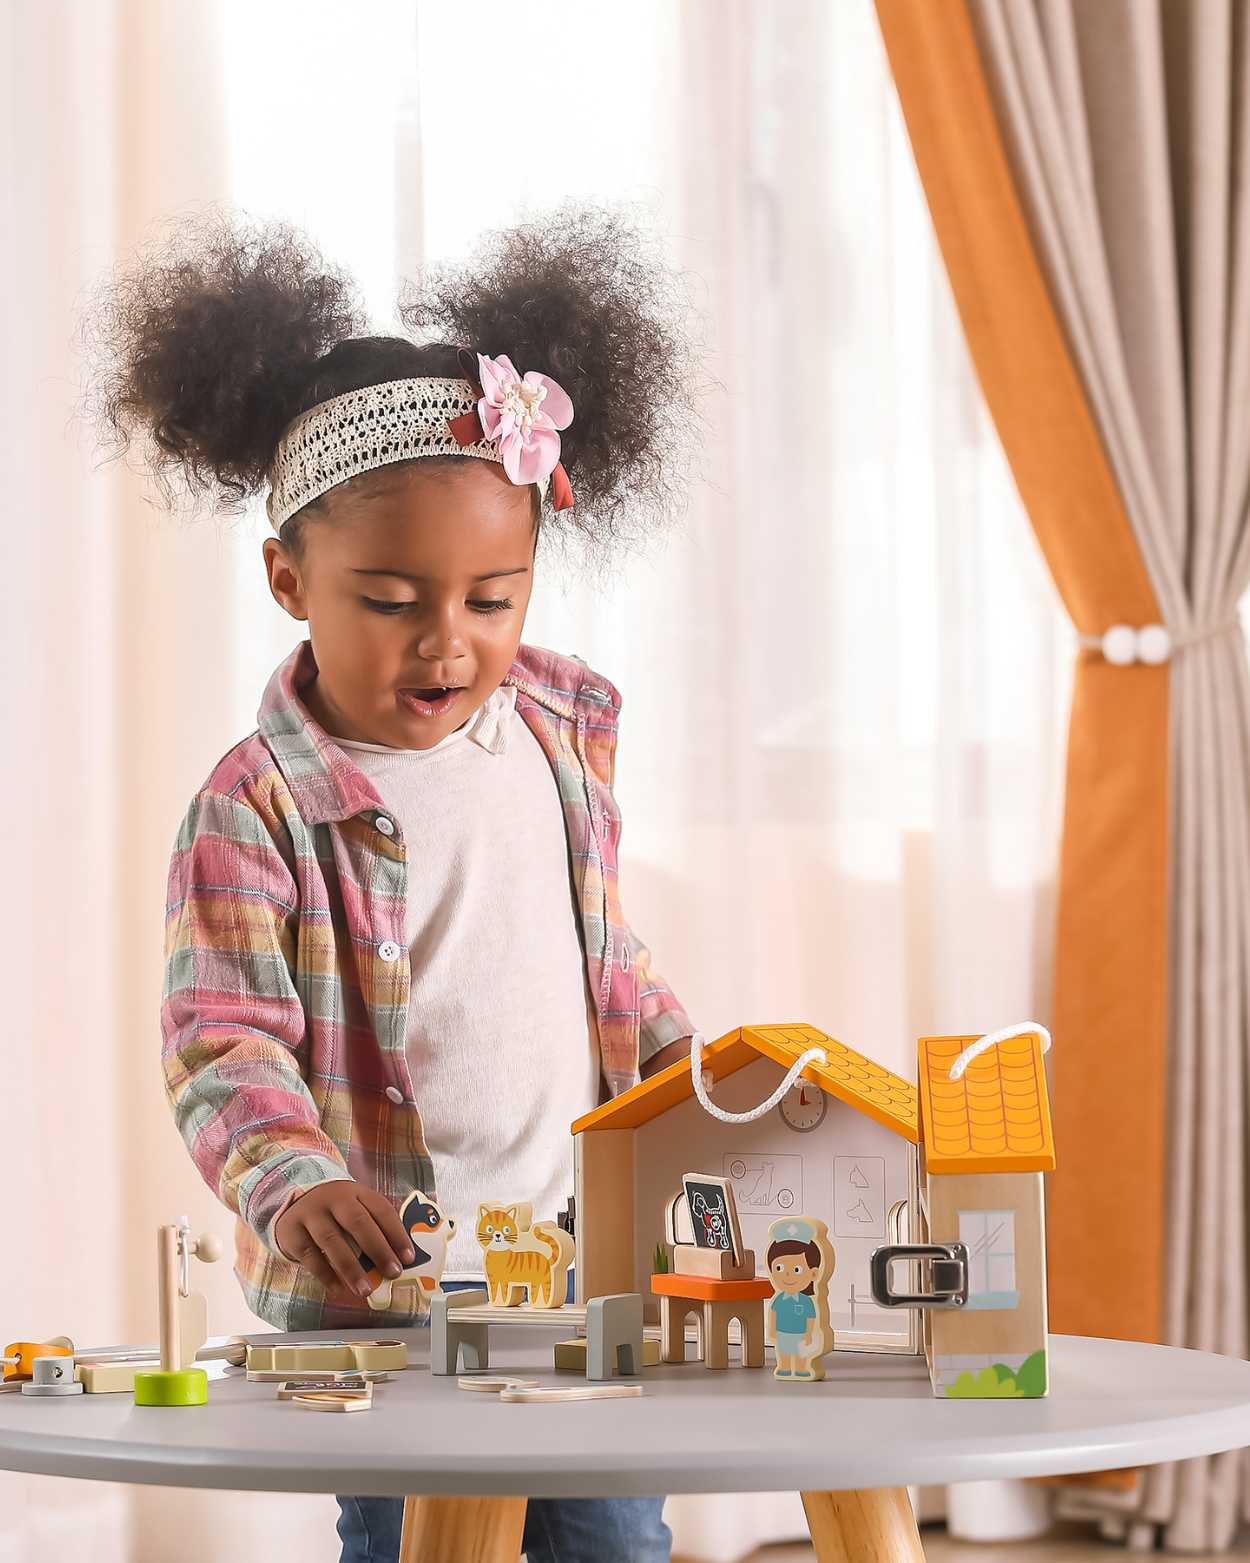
{"points": [[429, 702]]}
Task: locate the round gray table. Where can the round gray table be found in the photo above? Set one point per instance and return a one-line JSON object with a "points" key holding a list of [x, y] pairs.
{"points": [[467, 1462]]}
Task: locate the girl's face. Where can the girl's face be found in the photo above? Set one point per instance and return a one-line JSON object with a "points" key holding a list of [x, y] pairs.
{"points": [[791, 1273], [415, 593]]}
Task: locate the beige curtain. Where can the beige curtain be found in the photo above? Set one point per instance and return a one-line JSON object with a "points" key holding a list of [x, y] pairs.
{"points": [[117, 636], [1127, 125]]}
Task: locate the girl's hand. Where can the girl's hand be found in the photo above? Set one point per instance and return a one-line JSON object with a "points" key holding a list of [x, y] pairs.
{"points": [[325, 1230]]}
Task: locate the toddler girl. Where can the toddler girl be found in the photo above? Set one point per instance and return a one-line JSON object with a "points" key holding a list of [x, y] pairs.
{"points": [[395, 951]]}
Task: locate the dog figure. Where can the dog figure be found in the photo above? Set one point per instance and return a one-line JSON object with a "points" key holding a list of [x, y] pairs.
{"points": [[430, 1231]]}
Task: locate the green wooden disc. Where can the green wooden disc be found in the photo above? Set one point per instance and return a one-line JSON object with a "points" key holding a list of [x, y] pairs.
{"points": [[186, 1387]]}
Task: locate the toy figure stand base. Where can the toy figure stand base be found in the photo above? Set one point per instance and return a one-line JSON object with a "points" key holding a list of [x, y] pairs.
{"points": [[179, 1387], [873, 1526]]}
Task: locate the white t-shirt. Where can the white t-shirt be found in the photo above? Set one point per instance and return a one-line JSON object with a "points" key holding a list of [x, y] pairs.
{"points": [[501, 1044]]}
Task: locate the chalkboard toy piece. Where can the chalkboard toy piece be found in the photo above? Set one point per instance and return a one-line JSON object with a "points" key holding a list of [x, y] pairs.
{"points": [[524, 1261], [430, 1231], [713, 1212], [717, 1263], [51, 1378], [332, 1400], [183, 1320], [360, 1388], [800, 1264], [610, 1391], [19, 1356]]}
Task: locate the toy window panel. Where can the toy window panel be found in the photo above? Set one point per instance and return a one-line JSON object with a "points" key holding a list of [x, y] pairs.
{"points": [[990, 1238]]}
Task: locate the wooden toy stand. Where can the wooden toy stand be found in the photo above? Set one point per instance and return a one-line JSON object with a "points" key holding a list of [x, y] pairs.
{"points": [[460, 1332], [183, 1321]]}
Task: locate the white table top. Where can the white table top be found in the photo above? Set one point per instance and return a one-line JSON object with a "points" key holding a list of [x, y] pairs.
{"points": [[872, 1423]]}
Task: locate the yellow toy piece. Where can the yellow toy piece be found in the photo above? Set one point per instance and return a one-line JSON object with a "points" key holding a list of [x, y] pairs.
{"points": [[19, 1356], [995, 1116]]}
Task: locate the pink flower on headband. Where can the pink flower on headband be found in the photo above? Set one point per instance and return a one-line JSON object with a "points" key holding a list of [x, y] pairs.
{"points": [[523, 412]]}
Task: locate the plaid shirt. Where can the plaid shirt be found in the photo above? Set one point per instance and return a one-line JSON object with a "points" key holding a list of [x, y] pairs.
{"points": [[285, 1004]]}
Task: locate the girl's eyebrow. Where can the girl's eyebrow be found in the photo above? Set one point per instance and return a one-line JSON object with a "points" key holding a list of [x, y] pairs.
{"points": [[404, 575]]}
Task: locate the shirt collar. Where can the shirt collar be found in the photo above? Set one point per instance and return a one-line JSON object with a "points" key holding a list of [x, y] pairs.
{"points": [[325, 782]]}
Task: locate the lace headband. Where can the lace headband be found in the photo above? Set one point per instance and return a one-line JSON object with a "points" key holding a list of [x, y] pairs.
{"points": [[512, 419]]}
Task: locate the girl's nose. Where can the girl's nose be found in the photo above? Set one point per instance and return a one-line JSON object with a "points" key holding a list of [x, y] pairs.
{"points": [[439, 637]]}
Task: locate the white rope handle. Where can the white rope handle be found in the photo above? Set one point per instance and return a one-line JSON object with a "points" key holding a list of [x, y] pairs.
{"points": [[813, 1055], [993, 1038]]}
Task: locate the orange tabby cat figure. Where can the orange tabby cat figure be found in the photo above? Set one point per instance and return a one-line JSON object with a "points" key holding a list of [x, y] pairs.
{"points": [[523, 1262]]}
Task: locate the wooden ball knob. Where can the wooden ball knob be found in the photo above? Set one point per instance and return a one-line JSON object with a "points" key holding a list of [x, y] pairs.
{"points": [[208, 1247]]}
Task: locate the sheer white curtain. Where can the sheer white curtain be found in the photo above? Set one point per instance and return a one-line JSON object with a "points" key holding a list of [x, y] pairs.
{"points": [[842, 678]]}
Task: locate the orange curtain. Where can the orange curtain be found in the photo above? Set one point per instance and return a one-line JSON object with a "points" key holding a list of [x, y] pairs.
{"points": [[1106, 1204]]}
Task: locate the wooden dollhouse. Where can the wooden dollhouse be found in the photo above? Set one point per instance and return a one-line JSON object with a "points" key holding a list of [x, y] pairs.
{"points": [[886, 1165]]}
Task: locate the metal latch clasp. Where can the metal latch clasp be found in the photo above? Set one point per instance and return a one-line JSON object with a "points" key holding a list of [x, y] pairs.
{"points": [[948, 1275]]}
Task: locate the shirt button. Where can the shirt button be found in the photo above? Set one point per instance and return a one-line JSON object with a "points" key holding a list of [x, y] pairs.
{"points": [[384, 825], [388, 950], [394, 1094]]}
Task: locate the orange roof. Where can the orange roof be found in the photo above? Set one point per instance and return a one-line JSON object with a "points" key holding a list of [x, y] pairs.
{"points": [[996, 1117], [848, 1076]]}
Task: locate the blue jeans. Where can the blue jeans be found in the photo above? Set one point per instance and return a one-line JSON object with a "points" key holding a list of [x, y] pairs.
{"points": [[557, 1530]]}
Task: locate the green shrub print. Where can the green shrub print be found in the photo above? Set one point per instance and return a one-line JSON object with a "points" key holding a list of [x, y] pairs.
{"points": [[999, 1382]]}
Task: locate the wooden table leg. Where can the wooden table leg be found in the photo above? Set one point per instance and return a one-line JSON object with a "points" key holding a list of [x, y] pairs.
{"points": [[876, 1525], [462, 1530]]}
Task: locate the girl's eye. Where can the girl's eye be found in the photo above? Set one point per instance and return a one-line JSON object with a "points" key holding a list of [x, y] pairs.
{"points": [[386, 607], [497, 605]]}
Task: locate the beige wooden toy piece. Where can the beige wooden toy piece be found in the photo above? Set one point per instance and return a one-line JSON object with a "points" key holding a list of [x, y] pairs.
{"points": [[493, 1386], [578, 1392], [327, 1376], [524, 1262], [111, 1378], [570, 1355], [718, 1263], [800, 1263], [338, 1356], [332, 1400]]}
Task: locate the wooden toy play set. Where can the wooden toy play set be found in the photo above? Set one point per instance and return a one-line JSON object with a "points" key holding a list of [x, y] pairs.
{"points": [[941, 1180], [821, 1176]]}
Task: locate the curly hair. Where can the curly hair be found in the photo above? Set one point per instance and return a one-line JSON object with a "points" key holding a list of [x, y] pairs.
{"points": [[208, 344]]}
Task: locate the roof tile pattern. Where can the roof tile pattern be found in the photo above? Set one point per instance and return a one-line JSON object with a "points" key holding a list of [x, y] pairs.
{"points": [[995, 1117], [874, 1090]]}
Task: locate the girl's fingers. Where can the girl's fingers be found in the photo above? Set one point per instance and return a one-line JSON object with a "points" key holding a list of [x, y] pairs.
{"points": [[329, 1238], [304, 1251], [393, 1230], [369, 1236]]}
